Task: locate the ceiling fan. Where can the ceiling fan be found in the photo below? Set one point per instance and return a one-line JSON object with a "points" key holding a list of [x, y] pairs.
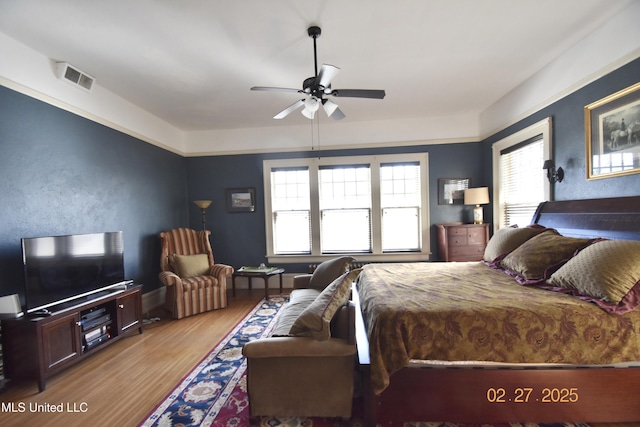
{"points": [[317, 87]]}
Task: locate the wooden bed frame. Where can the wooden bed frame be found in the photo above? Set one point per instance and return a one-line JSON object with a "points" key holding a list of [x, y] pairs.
{"points": [[578, 394]]}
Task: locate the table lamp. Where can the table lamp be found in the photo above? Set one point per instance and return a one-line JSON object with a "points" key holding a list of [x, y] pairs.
{"points": [[477, 196]]}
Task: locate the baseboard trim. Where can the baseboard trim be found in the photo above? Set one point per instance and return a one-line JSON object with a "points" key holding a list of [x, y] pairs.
{"points": [[153, 299]]}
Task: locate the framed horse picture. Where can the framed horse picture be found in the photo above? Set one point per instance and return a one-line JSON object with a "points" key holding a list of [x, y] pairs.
{"points": [[612, 131]]}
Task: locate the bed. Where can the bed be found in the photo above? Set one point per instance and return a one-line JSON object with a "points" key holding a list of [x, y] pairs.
{"points": [[510, 339]]}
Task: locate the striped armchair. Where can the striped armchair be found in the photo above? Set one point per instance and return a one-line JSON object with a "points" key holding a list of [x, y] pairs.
{"points": [[195, 284]]}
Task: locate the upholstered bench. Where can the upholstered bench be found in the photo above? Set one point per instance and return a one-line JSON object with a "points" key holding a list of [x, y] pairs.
{"points": [[306, 366]]}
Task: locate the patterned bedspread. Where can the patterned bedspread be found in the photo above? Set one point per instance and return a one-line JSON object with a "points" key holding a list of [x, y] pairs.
{"points": [[468, 311]]}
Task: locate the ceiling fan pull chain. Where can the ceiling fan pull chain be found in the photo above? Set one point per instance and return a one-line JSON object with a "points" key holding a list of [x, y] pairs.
{"points": [[318, 127], [312, 147]]}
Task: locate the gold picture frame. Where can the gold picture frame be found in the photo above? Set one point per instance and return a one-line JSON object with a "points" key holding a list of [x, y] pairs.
{"points": [[612, 134]]}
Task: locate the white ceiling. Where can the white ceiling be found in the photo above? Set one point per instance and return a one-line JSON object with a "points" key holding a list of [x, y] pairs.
{"points": [[191, 63]]}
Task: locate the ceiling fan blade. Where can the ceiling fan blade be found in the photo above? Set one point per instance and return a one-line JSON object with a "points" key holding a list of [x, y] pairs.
{"points": [[275, 89], [338, 114], [332, 110], [290, 109], [358, 93], [327, 74]]}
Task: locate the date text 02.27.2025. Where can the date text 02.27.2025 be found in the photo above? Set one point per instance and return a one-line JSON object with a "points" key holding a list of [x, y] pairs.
{"points": [[529, 394]]}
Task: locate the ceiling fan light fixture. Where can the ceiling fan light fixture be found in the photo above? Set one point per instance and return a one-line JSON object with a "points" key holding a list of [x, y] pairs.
{"points": [[329, 106], [311, 104], [308, 113]]}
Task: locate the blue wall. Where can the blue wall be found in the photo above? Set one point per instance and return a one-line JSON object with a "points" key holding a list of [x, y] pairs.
{"points": [[569, 146], [63, 174], [239, 238]]}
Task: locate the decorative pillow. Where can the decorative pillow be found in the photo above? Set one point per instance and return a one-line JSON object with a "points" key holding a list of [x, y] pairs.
{"points": [[505, 240], [315, 320], [287, 317], [607, 270], [537, 258], [190, 265], [328, 271]]}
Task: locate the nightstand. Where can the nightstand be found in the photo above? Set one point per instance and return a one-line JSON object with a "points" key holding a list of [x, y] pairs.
{"points": [[462, 242]]}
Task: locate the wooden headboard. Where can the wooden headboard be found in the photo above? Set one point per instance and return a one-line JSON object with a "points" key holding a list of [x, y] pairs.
{"points": [[613, 218]]}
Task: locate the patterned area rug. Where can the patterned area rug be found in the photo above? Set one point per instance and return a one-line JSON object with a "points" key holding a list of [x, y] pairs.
{"points": [[215, 393]]}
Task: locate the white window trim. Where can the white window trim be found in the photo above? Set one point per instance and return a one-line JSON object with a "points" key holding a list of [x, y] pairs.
{"points": [[377, 254], [543, 127]]}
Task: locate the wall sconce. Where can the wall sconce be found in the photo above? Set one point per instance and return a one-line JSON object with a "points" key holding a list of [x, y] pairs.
{"points": [[477, 196], [553, 175], [203, 205]]}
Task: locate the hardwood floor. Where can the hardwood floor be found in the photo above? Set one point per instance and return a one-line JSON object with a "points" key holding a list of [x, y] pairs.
{"points": [[121, 384]]}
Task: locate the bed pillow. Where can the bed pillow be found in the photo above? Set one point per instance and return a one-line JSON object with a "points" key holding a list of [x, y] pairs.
{"points": [[315, 320], [328, 271], [606, 270], [536, 259], [190, 265], [505, 240]]}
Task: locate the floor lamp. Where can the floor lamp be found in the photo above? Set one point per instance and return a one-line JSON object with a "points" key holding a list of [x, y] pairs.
{"points": [[203, 205]]}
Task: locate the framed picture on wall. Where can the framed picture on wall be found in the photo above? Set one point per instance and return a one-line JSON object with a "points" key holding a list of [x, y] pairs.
{"points": [[451, 190], [241, 199], [612, 134]]}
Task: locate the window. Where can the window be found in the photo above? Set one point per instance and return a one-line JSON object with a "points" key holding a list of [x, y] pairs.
{"points": [[400, 203], [373, 207], [291, 211], [345, 208], [520, 183]]}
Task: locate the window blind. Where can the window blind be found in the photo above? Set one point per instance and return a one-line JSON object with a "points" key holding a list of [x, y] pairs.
{"points": [[522, 181]]}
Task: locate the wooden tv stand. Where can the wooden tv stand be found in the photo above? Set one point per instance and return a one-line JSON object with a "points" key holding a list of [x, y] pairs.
{"points": [[39, 347]]}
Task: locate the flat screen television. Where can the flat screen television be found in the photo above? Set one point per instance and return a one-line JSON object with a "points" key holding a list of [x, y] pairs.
{"points": [[59, 269]]}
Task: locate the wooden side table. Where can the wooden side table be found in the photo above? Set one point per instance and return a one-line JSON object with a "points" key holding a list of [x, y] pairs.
{"points": [[251, 272], [462, 242]]}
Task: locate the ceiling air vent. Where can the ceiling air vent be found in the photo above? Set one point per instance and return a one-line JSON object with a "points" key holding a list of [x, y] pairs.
{"points": [[70, 74]]}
